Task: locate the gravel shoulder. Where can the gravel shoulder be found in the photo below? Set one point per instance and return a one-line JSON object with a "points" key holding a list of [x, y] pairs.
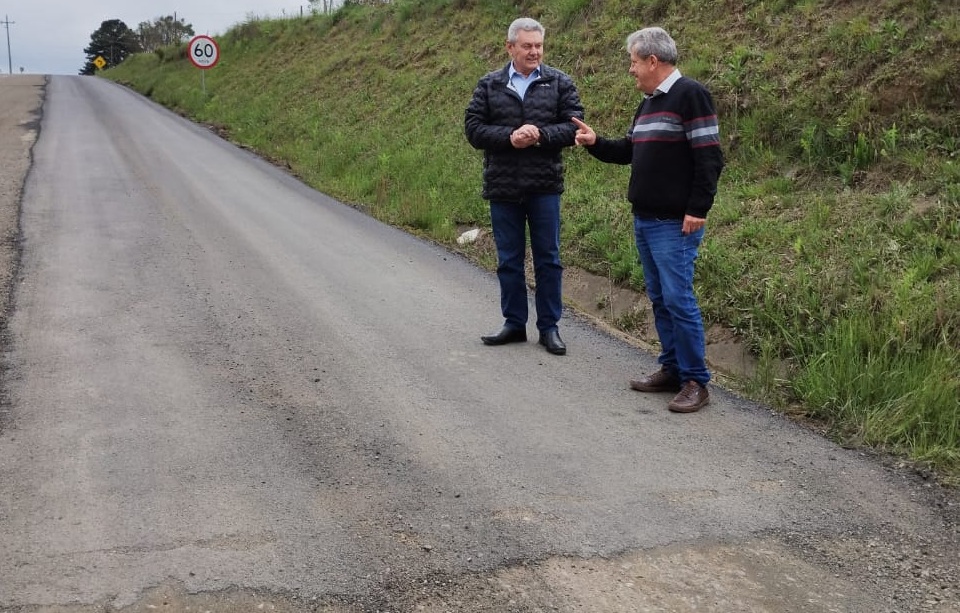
{"points": [[21, 98]]}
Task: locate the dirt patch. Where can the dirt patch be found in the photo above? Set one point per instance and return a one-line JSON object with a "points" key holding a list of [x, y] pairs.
{"points": [[630, 311], [765, 575]]}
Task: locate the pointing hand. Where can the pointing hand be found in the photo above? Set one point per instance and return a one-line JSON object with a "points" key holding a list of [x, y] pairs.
{"points": [[585, 135]]}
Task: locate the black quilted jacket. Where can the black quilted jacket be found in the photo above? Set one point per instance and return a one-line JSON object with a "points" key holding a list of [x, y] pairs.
{"points": [[496, 111]]}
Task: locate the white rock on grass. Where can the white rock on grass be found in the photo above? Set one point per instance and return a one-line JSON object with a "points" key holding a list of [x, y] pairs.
{"points": [[469, 236]]}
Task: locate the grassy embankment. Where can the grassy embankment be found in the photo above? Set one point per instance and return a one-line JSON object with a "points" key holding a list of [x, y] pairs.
{"points": [[834, 245]]}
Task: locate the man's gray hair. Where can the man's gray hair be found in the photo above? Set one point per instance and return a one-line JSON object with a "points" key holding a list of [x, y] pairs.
{"points": [[524, 23], [653, 41]]}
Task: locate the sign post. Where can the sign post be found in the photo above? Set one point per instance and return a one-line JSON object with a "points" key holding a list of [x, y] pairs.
{"points": [[204, 53]]}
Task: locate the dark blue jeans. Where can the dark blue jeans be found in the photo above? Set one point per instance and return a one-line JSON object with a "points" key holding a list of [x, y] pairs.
{"points": [[510, 220], [668, 257]]}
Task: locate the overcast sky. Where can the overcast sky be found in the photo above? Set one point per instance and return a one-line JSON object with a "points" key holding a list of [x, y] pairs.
{"points": [[48, 36]]}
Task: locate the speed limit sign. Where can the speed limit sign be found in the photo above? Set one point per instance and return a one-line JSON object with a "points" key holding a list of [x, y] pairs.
{"points": [[204, 52]]}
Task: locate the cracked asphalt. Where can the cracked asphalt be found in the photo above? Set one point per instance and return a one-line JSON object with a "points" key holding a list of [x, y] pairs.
{"points": [[224, 391]]}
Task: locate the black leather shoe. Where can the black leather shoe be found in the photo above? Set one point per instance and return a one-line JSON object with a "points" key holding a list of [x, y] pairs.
{"points": [[506, 335], [551, 340]]}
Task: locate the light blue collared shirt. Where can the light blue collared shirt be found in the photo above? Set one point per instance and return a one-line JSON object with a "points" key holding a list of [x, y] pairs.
{"points": [[520, 83]]}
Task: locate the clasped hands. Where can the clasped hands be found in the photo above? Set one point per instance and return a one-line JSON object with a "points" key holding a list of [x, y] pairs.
{"points": [[525, 136]]}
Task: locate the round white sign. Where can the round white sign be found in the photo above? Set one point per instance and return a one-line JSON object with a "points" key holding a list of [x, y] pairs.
{"points": [[203, 51]]}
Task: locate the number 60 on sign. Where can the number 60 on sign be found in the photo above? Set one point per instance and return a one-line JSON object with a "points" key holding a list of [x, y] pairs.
{"points": [[203, 51]]}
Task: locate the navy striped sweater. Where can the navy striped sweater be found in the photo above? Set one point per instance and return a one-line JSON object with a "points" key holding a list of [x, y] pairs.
{"points": [[674, 150]]}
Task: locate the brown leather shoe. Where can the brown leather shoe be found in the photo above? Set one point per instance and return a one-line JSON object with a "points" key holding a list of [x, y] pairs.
{"points": [[692, 398], [660, 381]]}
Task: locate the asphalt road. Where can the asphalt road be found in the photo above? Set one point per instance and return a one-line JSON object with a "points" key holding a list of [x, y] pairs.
{"points": [[225, 391]]}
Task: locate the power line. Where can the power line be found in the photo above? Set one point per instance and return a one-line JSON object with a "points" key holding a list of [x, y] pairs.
{"points": [[6, 22]]}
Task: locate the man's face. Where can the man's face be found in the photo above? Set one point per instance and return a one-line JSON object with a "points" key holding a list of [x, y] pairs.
{"points": [[644, 70], [527, 52]]}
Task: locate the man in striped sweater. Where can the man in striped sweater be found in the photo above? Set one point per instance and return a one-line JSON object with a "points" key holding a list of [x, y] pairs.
{"points": [[673, 147]]}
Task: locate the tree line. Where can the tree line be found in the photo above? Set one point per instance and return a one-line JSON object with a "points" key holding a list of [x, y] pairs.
{"points": [[114, 41]]}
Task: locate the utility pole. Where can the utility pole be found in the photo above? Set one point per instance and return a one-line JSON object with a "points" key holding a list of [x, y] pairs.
{"points": [[6, 21]]}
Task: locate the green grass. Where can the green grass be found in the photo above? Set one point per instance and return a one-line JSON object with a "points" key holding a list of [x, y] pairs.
{"points": [[833, 245]]}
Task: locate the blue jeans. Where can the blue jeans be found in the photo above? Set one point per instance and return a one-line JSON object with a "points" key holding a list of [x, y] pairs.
{"points": [[668, 256], [509, 221]]}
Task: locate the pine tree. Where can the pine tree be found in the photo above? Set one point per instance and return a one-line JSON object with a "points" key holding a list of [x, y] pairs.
{"points": [[114, 41]]}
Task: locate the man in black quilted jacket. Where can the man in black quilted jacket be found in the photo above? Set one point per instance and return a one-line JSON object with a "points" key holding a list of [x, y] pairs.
{"points": [[520, 116]]}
